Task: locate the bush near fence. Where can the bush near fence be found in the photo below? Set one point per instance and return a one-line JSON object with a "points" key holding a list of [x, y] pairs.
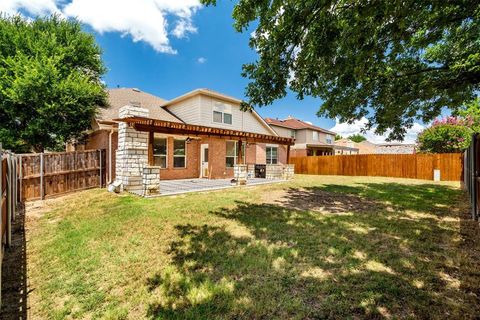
{"points": [[414, 166]]}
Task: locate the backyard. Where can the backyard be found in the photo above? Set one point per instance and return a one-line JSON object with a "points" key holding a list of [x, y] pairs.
{"points": [[315, 247]]}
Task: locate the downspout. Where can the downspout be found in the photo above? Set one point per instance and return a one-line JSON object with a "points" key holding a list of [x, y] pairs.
{"points": [[110, 156]]}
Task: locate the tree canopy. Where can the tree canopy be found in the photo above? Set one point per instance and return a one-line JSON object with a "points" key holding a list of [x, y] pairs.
{"points": [[50, 85], [357, 138], [391, 61]]}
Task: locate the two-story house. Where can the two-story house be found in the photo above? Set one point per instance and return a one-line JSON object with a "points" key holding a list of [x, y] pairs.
{"points": [[310, 140], [202, 133]]}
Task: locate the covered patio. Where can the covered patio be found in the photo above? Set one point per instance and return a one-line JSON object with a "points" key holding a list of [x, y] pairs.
{"points": [[137, 172]]}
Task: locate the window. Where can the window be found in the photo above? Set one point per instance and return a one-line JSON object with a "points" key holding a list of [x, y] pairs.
{"points": [[227, 118], [217, 116], [232, 153], [329, 138], [272, 155], [179, 153], [315, 135], [160, 152], [293, 134], [222, 117]]}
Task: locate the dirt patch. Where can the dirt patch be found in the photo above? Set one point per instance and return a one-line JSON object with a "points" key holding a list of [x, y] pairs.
{"points": [[320, 201]]}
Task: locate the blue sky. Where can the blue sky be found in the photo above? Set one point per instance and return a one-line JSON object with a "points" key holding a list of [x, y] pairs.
{"points": [[169, 47], [224, 50]]}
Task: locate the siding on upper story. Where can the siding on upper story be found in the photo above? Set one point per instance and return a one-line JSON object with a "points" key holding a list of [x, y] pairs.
{"points": [[302, 136], [282, 131], [199, 110], [187, 110]]}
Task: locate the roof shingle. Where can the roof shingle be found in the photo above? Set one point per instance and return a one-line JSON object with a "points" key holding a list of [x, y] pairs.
{"points": [[120, 97]]}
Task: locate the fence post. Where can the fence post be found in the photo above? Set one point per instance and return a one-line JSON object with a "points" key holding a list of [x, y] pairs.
{"points": [[100, 159], [9, 201], [20, 178], [42, 196]]}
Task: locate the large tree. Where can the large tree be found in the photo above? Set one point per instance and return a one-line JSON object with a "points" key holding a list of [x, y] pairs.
{"points": [[389, 60], [50, 86]]}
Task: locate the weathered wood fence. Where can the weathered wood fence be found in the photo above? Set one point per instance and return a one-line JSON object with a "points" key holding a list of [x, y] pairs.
{"points": [[9, 200], [414, 166], [471, 177], [48, 174]]}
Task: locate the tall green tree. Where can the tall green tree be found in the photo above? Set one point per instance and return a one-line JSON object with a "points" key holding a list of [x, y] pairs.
{"points": [[50, 82], [389, 60], [357, 138]]}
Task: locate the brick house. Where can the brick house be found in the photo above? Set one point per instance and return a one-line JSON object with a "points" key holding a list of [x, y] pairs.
{"points": [[310, 140], [196, 135]]}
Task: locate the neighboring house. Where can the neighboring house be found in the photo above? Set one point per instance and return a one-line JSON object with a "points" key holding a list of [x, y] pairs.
{"points": [[366, 147], [395, 148], [310, 140], [196, 154]]}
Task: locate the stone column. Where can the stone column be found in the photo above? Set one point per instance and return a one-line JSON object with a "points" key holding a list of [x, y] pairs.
{"points": [[132, 152], [288, 171], [240, 173], [151, 181]]}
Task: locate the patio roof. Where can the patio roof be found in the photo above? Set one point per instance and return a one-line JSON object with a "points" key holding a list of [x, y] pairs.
{"points": [[154, 125]]}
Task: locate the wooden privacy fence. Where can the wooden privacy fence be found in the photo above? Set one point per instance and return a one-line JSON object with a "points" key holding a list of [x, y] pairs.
{"points": [[49, 174], [9, 200], [415, 166], [471, 177]]}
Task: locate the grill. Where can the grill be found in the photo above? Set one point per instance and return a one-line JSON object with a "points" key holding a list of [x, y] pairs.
{"points": [[260, 170]]}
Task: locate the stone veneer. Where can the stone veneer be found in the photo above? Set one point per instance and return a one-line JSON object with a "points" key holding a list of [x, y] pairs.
{"points": [[132, 152], [151, 180], [288, 171], [279, 171], [240, 173]]}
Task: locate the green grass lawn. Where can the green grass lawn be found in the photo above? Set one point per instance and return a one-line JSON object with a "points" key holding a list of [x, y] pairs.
{"points": [[315, 247]]}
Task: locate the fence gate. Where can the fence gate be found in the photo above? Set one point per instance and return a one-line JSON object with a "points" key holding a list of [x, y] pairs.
{"points": [[471, 178]]}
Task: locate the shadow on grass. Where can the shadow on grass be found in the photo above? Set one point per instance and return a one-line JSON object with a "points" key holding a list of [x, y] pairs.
{"points": [[374, 250]]}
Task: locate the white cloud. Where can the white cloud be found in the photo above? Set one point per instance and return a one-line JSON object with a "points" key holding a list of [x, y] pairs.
{"points": [[143, 20], [33, 7], [201, 60], [345, 130]]}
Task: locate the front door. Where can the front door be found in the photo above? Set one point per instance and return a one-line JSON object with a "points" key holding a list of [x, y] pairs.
{"points": [[204, 161]]}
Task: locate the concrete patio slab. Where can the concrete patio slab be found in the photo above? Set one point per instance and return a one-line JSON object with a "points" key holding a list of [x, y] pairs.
{"points": [[173, 187]]}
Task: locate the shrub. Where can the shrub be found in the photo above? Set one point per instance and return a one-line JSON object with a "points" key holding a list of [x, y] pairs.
{"points": [[450, 134]]}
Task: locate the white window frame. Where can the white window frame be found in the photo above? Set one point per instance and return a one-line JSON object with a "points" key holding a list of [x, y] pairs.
{"points": [[315, 136], [235, 152], [178, 156], [329, 139], [293, 134], [266, 154], [223, 109], [166, 150]]}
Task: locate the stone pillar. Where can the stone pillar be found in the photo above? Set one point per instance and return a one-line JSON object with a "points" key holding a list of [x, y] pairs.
{"points": [[151, 180], [132, 152], [288, 171], [273, 171], [240, 173], [250, 171]]}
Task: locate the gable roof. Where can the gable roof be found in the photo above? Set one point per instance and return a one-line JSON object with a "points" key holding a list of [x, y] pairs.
{"points": [[120, 97], [296, 124], [220, 96]]}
